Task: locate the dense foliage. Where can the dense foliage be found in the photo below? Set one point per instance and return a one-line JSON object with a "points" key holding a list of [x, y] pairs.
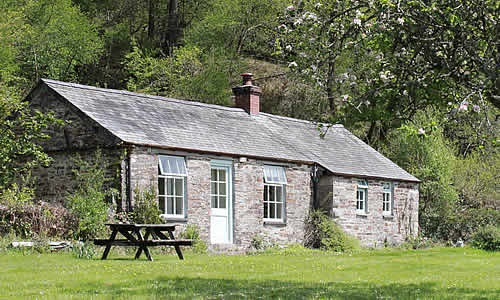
{"points": [[323, 233], [417, 80], [88, 203]]}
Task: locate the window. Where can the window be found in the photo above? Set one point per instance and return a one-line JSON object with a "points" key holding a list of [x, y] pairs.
{"points": [[361, 196], [219, 187], [274, 193], [387, 199], [172, 186]]}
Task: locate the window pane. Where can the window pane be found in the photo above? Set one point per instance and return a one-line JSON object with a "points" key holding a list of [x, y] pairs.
{"points": [[214, 188], [266, 192], [222, 202], [266, 210], [161, 186], [172, 165], [272, 193], [279, 208], [222, 175], [161, 204], [179, 187], [214, 175], [170, 186], [179, 205], [214, 202], [170, 205], [222, 188], [279, 194], [272, 210]]}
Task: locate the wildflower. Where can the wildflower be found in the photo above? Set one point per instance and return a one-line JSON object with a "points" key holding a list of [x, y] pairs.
{"points": [[345, 97], [290, 8], [292, 64], [288, 47], [421, 131], [401, 21], [357, 21], [476, 108]]}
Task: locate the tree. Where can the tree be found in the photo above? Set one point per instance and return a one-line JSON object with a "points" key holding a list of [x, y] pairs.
{"points": [[381, 61], [53, 40], [20, 131]]}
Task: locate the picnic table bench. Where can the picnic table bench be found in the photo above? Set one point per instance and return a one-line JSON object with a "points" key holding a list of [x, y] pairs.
{"points": [[155, 235]]}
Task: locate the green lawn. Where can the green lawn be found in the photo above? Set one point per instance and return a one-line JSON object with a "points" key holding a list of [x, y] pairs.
{"points": [[382, 274]]}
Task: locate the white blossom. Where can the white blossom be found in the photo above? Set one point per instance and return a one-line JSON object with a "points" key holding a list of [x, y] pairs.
{"points": [[476, 108], [463, 106], [345, 97], [297, 22], [421, 131], [318, 5], [288, 47], [290, 8], [357, 21], [292, 64], [401, 21]]}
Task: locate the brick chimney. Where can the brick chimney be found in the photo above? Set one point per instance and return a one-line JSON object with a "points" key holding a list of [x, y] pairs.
{"points": [[247, 95]]}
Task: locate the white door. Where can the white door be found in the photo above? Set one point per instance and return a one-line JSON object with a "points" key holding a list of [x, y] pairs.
{"points": [[220, 206]]}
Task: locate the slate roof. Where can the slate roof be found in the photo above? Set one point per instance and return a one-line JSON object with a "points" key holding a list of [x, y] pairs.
{"points": [[164, 122]]}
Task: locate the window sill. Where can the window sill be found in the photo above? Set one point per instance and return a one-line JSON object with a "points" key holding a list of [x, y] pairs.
{"points": [[361, 214], [388, 217], [274, 223]]}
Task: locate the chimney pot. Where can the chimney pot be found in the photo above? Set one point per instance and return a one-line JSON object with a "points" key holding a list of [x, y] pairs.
{"points": [[247, 95]]}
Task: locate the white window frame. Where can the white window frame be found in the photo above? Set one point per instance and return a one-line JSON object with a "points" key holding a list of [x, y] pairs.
{"points": [[362, 197], [166, 176], [274, 178], [387, 199], [217, 182]]}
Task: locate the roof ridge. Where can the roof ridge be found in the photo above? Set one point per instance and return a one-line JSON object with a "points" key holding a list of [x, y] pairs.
{"points": [[337, 125], [142, 95]]}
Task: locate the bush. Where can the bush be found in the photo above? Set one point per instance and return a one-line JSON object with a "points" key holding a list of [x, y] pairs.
{"points": [[417, 242], [88, 203], [20, 216], [192, 232], [323, 233], [84, 250], [487, 238], [146, 209]]}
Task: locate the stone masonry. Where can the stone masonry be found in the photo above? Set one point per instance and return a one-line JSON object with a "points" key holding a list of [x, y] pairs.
{"points": [[248, 207], [338, 196]]}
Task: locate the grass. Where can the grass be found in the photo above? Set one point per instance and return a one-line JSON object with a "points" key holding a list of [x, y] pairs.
{"points": [[381, 274]]}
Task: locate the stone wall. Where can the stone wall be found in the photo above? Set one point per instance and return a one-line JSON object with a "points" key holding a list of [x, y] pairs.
{"points": [[338, 196], [79, 136], [248, 189], [55, 182]]}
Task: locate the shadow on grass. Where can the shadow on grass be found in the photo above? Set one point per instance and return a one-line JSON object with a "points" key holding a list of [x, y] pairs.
{"points": [[189, 288]]}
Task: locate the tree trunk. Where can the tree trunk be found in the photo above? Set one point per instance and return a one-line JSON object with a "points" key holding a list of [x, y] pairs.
{"points": [[173, 25], [151, 20], [329, 89]]}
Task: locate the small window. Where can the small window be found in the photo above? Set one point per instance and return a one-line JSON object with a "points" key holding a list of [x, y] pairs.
{"points": [[387, 199], [361, 197], [274, 193], [172, 186], [219, 187]]}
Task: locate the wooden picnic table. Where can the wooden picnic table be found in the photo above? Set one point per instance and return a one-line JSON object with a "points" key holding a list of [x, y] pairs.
{"points": [[155, 235]]}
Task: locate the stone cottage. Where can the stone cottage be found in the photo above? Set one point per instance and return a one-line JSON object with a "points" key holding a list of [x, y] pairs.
{"points": [[235, 172]]}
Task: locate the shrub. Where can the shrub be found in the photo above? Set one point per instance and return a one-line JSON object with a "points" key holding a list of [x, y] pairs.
{"points": [[84, 250], [487, 238], [146, 209], [193, 233], [322, 232], [417, 242], [20, 216], [88, 203]]}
